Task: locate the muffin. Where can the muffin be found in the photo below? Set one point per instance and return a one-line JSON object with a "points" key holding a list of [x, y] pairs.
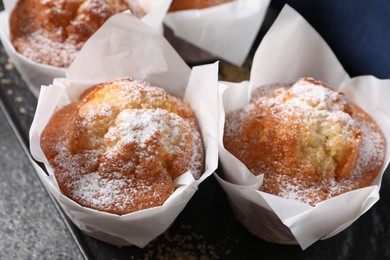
{"points": [[189, 52], [179, 5], [52, 32], [120, 147], [308, 141]]}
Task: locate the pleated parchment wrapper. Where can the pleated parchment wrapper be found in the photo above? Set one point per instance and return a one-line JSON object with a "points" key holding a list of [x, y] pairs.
{"points": [[125, 46], [37, 74], [292, 49], [226, 31]]}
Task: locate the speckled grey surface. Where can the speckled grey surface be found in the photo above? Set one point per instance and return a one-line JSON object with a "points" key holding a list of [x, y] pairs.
{"points": [[30, 227]]}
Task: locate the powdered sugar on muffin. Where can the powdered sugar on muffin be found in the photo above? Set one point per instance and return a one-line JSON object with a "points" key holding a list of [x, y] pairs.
{"points": [[120, 147], [307, 140]]}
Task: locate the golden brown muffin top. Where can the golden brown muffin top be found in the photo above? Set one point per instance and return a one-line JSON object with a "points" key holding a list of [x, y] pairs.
{"points": [[306, 139], [179, 5], [121, 146], [52, 31]]}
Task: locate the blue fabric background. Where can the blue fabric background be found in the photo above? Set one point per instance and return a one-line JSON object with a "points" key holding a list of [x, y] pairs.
{"points": [[358, 31]]}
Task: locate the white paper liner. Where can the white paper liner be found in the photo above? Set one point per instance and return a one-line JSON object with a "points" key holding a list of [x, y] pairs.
{"points": [[226, 30], [151, 58], [36, 74], [292, 49]]}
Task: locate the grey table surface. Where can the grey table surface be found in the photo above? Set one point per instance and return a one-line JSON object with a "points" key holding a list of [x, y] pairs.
{"points": [[30, 226]]}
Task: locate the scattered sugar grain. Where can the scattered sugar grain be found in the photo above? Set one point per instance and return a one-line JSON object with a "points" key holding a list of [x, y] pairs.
{"points": [[187, 243], [9, 65], [6, 81], [22, 110]]}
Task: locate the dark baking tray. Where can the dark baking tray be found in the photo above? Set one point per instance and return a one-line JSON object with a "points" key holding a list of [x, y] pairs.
{"points": [[207, 228]]}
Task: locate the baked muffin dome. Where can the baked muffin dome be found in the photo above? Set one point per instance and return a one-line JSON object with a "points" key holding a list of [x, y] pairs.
{"points": [[120, 147], [179, 5], [51, 31], [307, 140]]}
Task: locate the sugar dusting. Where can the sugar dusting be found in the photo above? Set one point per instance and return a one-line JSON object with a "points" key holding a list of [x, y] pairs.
{"points": [[41, 49], [141, 145], [371, 155], [140, 126], [308, 94], [105, 194], [54, 31], [197, 164], [312, 101], [329, 104]]}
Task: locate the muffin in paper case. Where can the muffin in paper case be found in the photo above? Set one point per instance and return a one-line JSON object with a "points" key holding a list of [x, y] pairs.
{"points": [[226, 31], [290, 50], [37, 74], [125, 46]]}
